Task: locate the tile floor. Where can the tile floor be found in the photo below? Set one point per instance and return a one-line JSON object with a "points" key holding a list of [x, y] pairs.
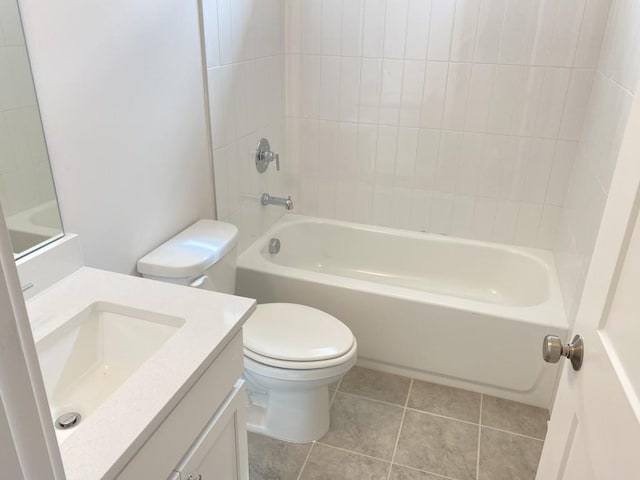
{"points": [[388, 427]]}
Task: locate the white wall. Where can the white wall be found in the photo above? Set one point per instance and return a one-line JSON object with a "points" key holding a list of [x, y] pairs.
{"points": [[615, 85], [450, 117], [245, 69], [121, 90], [25, 177]]}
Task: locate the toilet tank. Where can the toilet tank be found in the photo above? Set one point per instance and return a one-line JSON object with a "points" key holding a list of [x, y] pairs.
{"points": [[203, 256]]}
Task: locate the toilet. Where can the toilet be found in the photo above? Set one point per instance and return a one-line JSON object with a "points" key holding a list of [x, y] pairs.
{"points": [[292, 353]]}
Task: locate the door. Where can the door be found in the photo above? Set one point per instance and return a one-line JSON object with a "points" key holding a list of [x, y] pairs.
{"points": [[28, 446], [595, 429]]}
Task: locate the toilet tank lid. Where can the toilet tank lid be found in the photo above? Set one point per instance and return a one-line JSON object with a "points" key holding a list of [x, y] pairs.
{"points": [[191, 252]]}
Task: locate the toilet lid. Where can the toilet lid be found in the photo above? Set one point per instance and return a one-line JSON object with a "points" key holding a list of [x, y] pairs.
{"points": [[295, 333]]}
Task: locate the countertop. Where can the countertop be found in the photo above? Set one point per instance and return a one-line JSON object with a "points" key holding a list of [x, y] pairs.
{"points": [[108, 438]]}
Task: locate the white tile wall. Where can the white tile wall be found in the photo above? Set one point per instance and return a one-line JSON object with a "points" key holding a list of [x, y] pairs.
{"points": [[25, 176], [498, 120], [589, 174], [459, 117], [244, 42]]}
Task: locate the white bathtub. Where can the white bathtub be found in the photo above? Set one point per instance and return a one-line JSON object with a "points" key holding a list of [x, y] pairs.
{"points": [[458, 312]]}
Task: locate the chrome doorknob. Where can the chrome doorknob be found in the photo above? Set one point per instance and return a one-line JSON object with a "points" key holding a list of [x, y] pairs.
{"points": [[553, 350]]}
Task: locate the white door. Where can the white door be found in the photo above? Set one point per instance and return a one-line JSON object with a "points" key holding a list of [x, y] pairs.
{"points": [[28, 446], [595, 426]]}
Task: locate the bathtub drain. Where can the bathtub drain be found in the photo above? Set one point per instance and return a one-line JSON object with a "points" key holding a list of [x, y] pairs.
{"points": [[274, 246], [68, 420]]}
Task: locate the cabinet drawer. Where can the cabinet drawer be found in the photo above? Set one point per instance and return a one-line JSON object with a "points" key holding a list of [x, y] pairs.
{"points": [[166, 447]]}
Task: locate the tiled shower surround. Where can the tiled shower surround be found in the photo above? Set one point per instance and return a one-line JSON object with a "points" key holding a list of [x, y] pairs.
{"points": [[449, 117], [496, 120], [246, 85]]}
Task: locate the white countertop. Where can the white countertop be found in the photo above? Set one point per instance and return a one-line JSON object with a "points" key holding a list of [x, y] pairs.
{"points": [[108, 438]]}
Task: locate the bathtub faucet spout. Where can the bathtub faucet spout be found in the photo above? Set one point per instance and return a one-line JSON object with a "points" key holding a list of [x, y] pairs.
{"points": [[267, 199]]}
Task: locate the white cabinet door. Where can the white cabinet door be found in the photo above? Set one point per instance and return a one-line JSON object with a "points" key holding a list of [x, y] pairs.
{"points": [[220, 452], [595, 430]]}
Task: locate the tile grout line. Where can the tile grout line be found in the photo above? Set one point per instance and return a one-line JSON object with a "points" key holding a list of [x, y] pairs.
{"points": [[351, 452], [370, 399], [513, 433], [333, 397], [443, 416], [304, 464], [479, 439], [439, 475], [335, 392], [404, 413]]}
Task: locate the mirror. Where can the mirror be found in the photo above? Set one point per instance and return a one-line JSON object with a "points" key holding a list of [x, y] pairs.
{"points": [[27, 193]]}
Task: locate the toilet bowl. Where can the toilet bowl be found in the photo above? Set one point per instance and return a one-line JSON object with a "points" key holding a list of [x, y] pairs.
{"points": [[292, 353]]}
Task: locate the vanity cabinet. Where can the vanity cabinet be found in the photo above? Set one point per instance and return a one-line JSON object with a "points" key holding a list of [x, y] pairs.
{"points": [[204, 437], [221, 450]]}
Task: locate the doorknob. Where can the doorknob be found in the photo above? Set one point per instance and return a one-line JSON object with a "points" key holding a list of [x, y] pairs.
{"points": [[553, 350]]}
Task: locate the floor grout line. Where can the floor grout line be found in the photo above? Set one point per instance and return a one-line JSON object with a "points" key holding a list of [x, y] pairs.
{"points": [[479, 439], [351, 451], [404, 412], [443, 416], [304, 464], [370, 399], [512, 433], [439, 475], [333, 396]]}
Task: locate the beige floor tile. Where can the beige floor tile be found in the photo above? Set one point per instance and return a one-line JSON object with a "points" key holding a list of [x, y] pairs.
{"points": [[327, 463], [438, 445], [271, 459], [514, 417], [430, 447], [447, 401], [504, 456], [363, 426], [382, 386]]}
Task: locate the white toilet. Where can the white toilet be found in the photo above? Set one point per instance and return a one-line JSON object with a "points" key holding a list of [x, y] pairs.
{"points": [[292, 353]]}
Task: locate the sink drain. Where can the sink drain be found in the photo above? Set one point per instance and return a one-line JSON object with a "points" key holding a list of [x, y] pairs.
{"points": [[68, 420]]}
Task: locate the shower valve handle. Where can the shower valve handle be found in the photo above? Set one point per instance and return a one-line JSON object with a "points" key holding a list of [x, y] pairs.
{"points": [[264, 156]]}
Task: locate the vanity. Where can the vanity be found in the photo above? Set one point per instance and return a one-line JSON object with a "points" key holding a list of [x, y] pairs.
{"points": [[152, 371]]}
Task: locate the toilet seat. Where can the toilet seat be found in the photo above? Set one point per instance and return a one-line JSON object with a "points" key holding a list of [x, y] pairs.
{"points": [[297, 337], [309, 365]]}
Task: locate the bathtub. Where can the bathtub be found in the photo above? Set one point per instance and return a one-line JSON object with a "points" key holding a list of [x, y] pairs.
{"points": [[457, 312]]}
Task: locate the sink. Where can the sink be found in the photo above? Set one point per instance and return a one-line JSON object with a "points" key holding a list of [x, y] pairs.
{"points": [[91, 355]]}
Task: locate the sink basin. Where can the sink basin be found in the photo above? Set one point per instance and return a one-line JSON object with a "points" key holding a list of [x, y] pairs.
{"points": [[90, 356]]}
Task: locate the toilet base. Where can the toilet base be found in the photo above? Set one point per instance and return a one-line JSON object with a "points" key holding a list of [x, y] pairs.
{"points": [[298, 417]]}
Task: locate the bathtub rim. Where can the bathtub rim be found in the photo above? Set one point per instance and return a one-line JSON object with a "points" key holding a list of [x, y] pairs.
{"points": [[549, 313]]}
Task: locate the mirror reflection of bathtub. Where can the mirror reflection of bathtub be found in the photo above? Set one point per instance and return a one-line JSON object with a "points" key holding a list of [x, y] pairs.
{"points": [[33, 227], [463, 313]]}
